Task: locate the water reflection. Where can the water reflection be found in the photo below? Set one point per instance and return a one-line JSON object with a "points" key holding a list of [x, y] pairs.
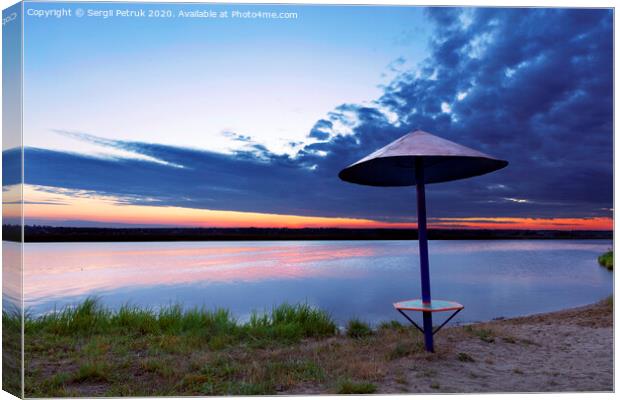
{"points": [[11, 275], [356, 278], [55, 270]]}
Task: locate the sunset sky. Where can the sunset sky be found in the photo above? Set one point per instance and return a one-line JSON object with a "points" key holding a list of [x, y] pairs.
{"points": [[247, 122]]}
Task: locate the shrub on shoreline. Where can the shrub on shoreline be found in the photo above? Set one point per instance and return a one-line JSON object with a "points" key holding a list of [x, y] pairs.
{"points": [[607, 260], [358, 329]]}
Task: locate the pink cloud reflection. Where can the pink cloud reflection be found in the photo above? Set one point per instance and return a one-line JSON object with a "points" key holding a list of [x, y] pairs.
{"points": [[58, 270]]}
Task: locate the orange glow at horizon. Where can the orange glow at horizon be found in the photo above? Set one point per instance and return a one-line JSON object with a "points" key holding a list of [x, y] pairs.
{"points": [[109, 210], [594, 223], [58, 206]]}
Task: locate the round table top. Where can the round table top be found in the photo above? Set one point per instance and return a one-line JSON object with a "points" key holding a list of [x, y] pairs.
{"points": [[433, 306]]}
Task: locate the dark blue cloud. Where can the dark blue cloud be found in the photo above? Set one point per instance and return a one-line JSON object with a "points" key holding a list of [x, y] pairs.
{"points": [[244, 182], [533, 86], [11, 167], [321, 130], [539, 93]]}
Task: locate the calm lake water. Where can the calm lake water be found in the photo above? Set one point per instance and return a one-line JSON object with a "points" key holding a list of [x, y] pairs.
{"points": [[347, 278]]}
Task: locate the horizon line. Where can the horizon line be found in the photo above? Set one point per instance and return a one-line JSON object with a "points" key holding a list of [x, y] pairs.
{"points": [[306, 228]]}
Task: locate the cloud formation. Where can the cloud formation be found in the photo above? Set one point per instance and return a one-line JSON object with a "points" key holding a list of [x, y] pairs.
{"points": [[532, 86]]}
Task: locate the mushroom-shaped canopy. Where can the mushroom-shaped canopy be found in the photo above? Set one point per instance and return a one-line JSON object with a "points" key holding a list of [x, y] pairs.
{"points": [[443, 160]]}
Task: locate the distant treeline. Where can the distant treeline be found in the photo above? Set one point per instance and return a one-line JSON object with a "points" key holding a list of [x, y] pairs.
{"points": [[38, 233]]}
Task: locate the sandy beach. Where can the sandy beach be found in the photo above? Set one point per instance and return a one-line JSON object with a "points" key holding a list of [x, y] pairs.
{"points": [[570, 350]]}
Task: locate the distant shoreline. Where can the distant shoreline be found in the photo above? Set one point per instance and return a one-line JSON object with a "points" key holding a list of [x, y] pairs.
{"points": [[39, 234]]}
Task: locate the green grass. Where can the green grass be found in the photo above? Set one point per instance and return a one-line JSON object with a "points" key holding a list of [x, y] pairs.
{"points": [[358, 329], [11, 350], [92, 372], [90, 350], [350, 387], [607, 260], [289, 323], [173, 350], [392, 325]]}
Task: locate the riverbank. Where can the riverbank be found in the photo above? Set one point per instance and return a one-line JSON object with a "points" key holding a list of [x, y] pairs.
{"points": [[297, 351]]}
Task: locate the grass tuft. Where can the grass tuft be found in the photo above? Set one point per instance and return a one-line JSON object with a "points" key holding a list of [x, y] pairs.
{"points": [[290, 323], [350, 387], [86, 318], [92, 372], [358, 329], [391, 325]]}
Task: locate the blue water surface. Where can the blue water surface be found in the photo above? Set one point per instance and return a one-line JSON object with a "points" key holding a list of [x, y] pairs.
{"points": [[347, 278]]}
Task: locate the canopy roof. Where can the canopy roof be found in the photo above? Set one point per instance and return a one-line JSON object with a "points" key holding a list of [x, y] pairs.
{"points": [[443, 160]]}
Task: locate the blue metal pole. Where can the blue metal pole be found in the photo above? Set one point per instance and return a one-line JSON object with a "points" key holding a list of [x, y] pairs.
{"points": [[423, 242]]}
